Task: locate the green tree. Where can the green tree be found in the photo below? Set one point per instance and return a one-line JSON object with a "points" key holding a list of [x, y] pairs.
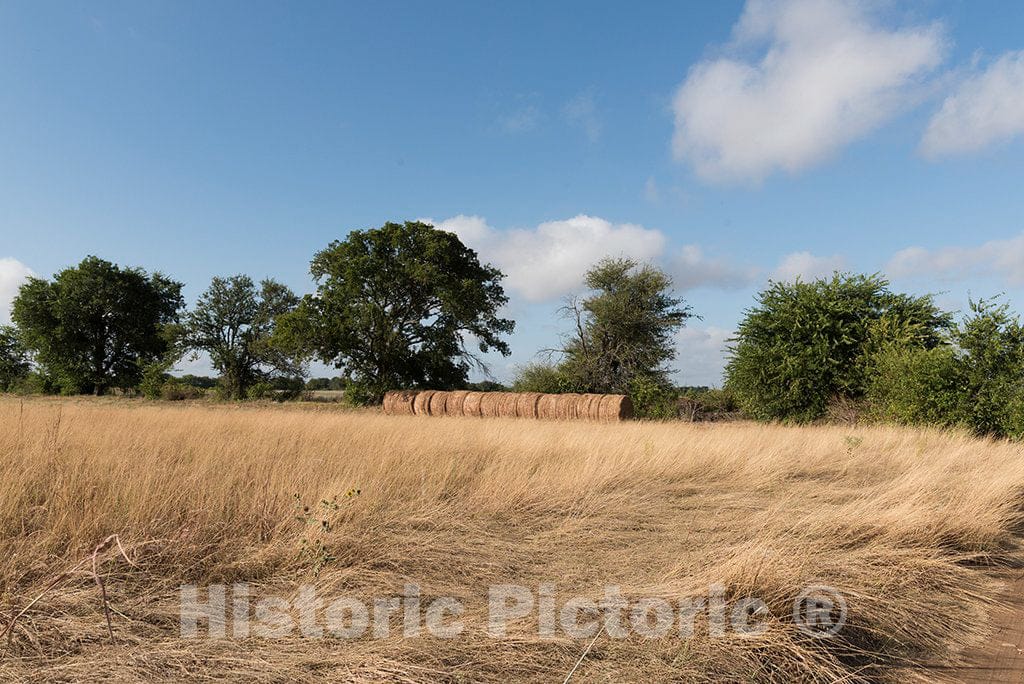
{"points": [[991, 351], [623, 330], [14, 362], [96, 325], [805, 343], [234, 322], [399, 306]]}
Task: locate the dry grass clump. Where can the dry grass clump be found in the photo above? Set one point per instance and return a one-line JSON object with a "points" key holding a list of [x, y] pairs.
{"points": [[907, 524]]}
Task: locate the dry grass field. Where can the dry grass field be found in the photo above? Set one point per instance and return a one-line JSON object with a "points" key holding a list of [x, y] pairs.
{"points": [[910, 526]]}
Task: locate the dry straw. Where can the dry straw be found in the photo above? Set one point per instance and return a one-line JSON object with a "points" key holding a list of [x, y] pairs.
{"points": [[526, 404], [421, 405], [399, 402], [602, 407], [437, 403], [547, 406], [490, 404], [456, 399], [471, 404]]}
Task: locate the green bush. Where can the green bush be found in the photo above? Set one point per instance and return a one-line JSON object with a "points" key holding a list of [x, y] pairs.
{"points": [[542, 377], [805, 344], [175, 390], [259, 390], [653, 399], [918, 386], [154, 377], [974, 382], [711, 400]]}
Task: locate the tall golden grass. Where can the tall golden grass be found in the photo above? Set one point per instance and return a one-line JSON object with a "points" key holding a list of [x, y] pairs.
{"points": [[907, 524]]}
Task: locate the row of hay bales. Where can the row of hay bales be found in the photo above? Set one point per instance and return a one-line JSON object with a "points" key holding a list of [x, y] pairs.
{"points": [[604, 407]]}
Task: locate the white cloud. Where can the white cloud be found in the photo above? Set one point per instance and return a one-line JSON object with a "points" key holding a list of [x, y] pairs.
{"points": [[582, 111], [550, 260], [987, 107], [12, 274], [1001, 258], [825, 74], [691, 268], [701, 355], [807, 266]]}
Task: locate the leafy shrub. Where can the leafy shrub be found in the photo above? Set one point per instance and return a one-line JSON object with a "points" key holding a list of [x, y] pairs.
{"points": [[804, 344], [974, 382], [918, 386], [175, 390], [154, 377], [259, 390], [653, 399], [542, 377]]}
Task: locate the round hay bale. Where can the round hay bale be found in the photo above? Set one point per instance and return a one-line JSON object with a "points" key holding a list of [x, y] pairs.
{"points": [[456, 399], [399, 402], [471, 404], [526, 404], [507, 404], [615, 407], [565, 406], [547, 406], [421, 404], [490, 404], [589, 407], [437, 403]]}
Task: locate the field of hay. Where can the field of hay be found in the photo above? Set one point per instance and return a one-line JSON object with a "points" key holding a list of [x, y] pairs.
{"points": [[910, 526]]}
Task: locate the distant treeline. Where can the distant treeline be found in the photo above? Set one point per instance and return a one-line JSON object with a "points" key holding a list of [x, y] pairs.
{"points": [[406, 306]]}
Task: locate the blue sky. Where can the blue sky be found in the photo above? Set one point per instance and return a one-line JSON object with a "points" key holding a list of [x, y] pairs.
{"points": [[728, 142]]}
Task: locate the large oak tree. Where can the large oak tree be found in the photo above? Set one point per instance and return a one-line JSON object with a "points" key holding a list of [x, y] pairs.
{"points": [[403, 305], [233, 322], [95, 325]]}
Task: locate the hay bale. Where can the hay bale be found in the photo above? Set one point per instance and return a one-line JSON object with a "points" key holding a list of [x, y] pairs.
{"points": [[490, 404], [526, 404], [565, 406], [547, 406], [399, 402], [507, 404], [421, 404], [471, 404], [436, 407], [456, 400], [589, 407], [615, 407]]}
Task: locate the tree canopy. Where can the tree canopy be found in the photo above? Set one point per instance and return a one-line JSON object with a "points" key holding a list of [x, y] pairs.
{"points": [[805, 343], [95, 325], [403, 305], [14, 362], [622, 338], [234, 323], [624, 329]]}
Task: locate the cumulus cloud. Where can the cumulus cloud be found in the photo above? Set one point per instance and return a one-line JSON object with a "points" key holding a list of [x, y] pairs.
{"points": [[691, 268], [701, 355], [807, 266], [12, 274], [550, 260], [987, 107], [823, 74], [1001, 258]]}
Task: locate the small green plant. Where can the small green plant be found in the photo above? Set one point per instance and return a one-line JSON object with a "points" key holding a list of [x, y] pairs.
{"points": [[852, 442], [320, 518]]}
